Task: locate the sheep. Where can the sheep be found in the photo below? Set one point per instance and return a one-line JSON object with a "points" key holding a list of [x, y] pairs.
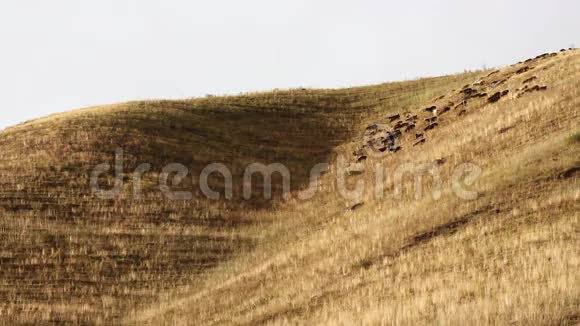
{"points": [[529, 79], [395, 134], [440, 161], [432, 109], [431, 126], [462, 104], [422, 141], [401, 124], [468, 91], [356, 206], [494, 98], [497, 96], [391, 137], [524, 69], [498, 82], [531, 89], [413, 117], [361, 158], [394, 117]]}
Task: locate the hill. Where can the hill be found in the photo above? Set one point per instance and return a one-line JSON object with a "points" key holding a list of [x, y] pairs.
{"points": [[388, 254]]}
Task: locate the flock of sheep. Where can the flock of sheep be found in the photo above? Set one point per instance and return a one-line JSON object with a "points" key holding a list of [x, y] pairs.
{"points": [[384, 138]]}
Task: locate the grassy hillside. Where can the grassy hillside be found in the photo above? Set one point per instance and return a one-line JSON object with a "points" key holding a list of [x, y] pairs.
{"points": [[510, 255]]}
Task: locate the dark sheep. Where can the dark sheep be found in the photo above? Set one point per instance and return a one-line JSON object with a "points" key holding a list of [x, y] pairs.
{"points": [[361, 158], [409, 128], [431, 109], [401, 124], [468, 91], [546, 55], [494, 98], [431, 119], [530, 79], [440, 161], [422, 141], [532, 89], [431, 126], [537, 88], [498, 82], [356, 206], [419, 135], [394, 117], [445, 109], [522, 70], [390, 138]]}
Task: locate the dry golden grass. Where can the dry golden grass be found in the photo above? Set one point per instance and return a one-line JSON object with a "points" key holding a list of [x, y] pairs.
{"points": [[509, 256]]}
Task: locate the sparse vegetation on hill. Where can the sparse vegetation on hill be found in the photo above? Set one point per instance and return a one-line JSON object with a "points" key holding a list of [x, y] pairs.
{"points": [[509, 255]]}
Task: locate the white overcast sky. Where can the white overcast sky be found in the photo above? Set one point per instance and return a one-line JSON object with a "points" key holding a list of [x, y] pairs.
{"points": [[60, 55]]}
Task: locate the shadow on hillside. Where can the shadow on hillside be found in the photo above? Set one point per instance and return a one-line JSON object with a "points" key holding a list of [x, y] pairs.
{"points": [[128, 248], [235, 135]]}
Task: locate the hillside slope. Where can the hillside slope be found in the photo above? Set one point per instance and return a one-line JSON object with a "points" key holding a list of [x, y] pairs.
{"points": [[510, 255]]}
